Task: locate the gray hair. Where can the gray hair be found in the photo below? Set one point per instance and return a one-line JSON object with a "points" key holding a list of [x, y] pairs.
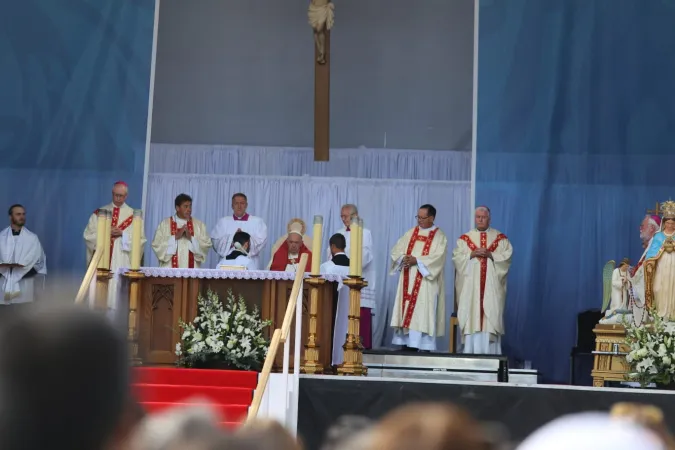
{"points": [[352, 207], [483, 208]]}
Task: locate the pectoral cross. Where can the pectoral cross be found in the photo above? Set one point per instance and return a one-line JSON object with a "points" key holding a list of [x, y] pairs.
{"points": [[656, 211]]}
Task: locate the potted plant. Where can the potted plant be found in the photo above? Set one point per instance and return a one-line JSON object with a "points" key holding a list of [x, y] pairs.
{"points": [[223, 336], [652, 352]]}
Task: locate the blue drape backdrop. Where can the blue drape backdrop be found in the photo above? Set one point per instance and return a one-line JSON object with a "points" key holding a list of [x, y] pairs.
{"points": [[576, 139], [74, 90]]}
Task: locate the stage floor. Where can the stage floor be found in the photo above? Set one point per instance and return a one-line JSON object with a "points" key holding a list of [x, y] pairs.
{"points": [[521, 409]]}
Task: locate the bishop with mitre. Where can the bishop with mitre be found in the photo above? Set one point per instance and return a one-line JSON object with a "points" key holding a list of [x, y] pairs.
{"points": [[418, 317], [120, 231], [223, 233], [21, 259], [482, 259], [287, 250], [181, 241]]}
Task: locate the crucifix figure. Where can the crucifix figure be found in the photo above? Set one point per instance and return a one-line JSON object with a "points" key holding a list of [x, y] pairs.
{"points": [[321, 19]]}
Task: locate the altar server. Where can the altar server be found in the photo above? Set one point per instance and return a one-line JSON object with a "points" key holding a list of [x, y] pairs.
{"points": [[120, 242], [181, 241], [339, 265], [348, 212], [418, 317], [482, 260], [286, 253], [21, 259], [240, 220], [239, 256]]}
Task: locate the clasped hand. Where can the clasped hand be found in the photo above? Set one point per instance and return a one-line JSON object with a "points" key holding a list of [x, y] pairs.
{"points": [[183, 232], [481, 253], [409, 260]]}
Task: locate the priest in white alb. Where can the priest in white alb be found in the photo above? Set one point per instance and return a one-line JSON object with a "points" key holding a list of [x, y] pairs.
{"points": [[240, 220], [339, 265], [418, 317], [181, 241], [347, 213], [21, 259], [120, 232], [482, 259]]}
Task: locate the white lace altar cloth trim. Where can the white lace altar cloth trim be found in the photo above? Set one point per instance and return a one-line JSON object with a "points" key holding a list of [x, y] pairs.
{"points": [[217, 274]]}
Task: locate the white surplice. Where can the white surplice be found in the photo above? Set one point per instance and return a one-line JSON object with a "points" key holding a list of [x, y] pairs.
{"points": [[239, 261], [224, 231], [24, 249], [481, 323], [166, 246], [120, 253], [369, 266], [427, 315], [342, 310]]}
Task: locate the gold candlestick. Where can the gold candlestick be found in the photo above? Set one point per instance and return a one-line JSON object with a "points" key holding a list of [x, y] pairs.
{"points": [[353, 350], [103, 277], [135, 278], [311, 363]]}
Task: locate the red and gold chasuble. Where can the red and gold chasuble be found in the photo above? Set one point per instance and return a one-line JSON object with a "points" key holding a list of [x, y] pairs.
{"points": [[483, 263], [123, 226], [191, 256], [411, 298]]}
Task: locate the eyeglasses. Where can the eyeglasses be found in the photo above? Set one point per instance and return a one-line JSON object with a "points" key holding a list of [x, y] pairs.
{"points": [[422, 218]]}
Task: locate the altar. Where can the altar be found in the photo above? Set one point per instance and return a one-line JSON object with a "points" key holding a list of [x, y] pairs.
{"points": [[167, 295]]}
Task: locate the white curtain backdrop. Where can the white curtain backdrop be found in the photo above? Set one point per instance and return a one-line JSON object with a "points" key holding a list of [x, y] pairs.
{"points": [[359, 163], [388, 207]]}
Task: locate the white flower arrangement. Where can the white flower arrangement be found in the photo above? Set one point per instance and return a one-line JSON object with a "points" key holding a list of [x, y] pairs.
{"points": [[652, 351], [223, 335]]}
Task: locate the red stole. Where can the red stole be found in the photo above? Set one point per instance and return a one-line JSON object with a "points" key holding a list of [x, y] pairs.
{"points": [[483, 263], [281, 260], [123, 226], [411, 299], [191, 256]]}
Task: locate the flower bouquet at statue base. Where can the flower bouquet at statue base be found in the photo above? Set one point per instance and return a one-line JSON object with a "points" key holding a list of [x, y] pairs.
{"points": [[223, 336], [652, 351]]}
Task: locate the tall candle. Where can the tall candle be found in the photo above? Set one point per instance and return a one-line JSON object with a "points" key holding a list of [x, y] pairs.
{"points": [[353, 247], [136, 232], [106, 240], [100, 235], [316, 244], [360, 260]]}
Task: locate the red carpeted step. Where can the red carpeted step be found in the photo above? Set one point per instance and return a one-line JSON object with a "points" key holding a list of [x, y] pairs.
{"points": [[195, 377], [167, 393], [230, 413]]}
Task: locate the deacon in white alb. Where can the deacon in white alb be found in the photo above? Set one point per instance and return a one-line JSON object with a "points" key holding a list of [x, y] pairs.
{"points": [[418, 317], [348, 212], [482, 259], [181, 241], [120, 242], [239, 256], [339, 265], [21, 258], [240, 220]]}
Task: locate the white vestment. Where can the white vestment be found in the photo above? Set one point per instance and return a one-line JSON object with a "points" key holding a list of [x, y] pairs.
{"points": [[419, 318], [25, 250], [224, 231], [166, 247], [481, 320], [637, 280], [369, 266], [120, 253], [341, 312], [239, 261]]}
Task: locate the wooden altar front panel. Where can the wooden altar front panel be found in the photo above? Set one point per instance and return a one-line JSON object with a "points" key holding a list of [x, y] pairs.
{"points": [[166, 300]]}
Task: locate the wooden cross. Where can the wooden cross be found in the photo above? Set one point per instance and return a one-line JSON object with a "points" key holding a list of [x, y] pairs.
{"points": [[321, 20], [656, 211]]}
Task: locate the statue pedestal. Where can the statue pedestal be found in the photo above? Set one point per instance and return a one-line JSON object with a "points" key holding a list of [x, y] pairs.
{"points": [[609, 361]]}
